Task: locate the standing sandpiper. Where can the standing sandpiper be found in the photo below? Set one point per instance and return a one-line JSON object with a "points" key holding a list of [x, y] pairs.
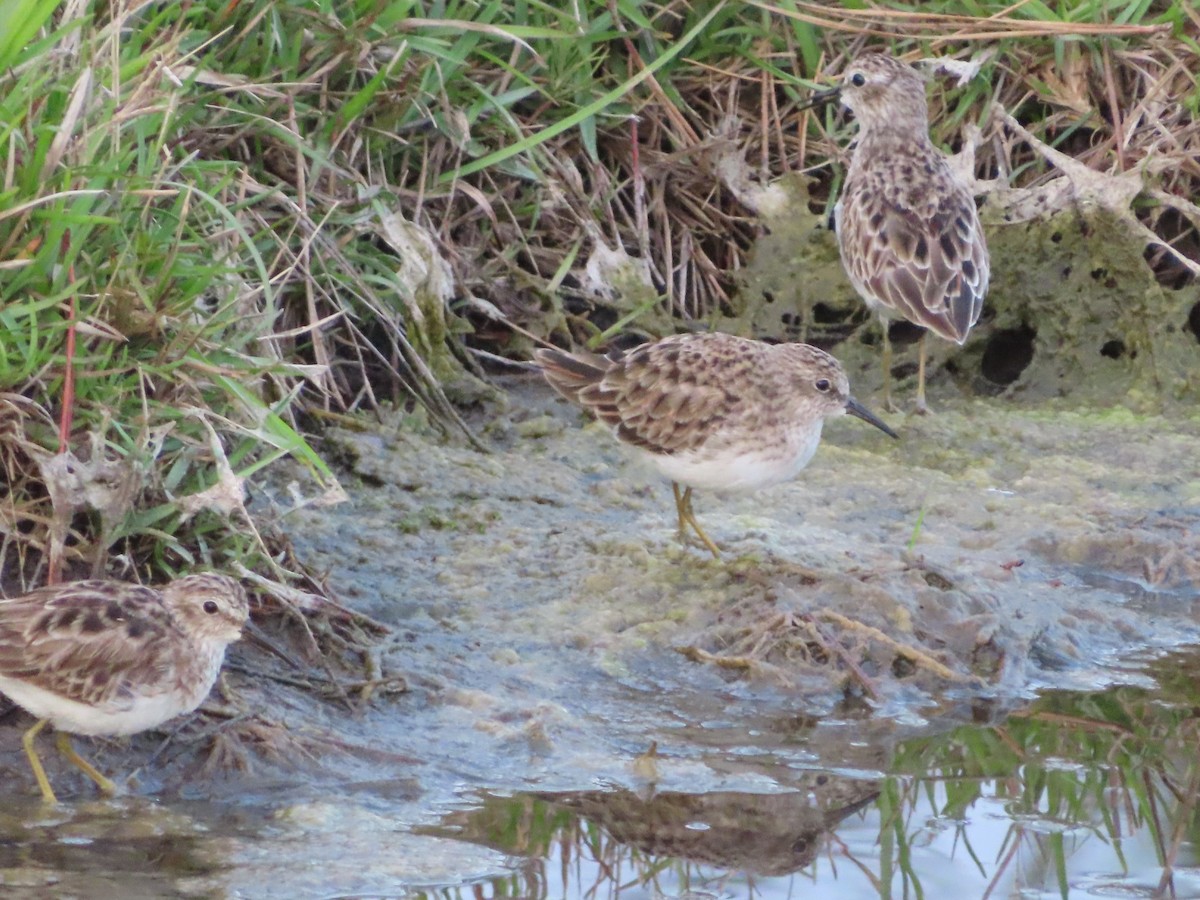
{"points": [[109, 658], [711, 411], [907, 228]]}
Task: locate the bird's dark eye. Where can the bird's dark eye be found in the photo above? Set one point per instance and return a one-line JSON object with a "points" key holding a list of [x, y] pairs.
{"points": [[210, 606], [858, 79], [823, 385]]}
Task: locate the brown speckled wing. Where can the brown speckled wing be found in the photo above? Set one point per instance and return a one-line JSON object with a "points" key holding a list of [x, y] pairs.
{"points": [[664, 397], [919, 252], [79, 640]]}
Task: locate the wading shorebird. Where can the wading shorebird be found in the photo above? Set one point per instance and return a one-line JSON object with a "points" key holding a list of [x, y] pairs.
{"points": [[711, 411], [907, 229], [110, 658]]}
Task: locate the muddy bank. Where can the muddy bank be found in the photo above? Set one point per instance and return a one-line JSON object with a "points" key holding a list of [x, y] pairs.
{"points": [[548, 628], [1001, 543]]}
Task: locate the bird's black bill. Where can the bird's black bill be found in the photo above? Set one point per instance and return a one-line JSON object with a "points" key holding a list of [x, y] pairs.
{"points": [[820, 98], [857, 409]]}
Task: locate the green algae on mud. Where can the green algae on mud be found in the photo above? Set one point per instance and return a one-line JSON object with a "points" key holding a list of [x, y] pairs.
{"points": [[1074, 312], [580, 541]]}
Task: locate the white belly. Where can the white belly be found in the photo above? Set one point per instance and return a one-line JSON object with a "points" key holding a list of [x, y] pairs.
{"points": [[746, 469], [131, 715]]}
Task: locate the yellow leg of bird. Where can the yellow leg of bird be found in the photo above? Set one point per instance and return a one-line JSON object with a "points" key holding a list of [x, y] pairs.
{"points": [[887, 368], [65, 748], [679, 509], [921, 407], [690, 517], [36, 764]]}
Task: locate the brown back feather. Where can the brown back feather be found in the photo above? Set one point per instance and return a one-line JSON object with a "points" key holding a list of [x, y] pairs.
{"points": [[913, 244], [665, 396], [61, 638]]}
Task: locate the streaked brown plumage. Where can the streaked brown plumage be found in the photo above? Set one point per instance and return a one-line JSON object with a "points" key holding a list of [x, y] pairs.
{"points": [[907, 228], [711, 411], [764, 834], [110, 658]]}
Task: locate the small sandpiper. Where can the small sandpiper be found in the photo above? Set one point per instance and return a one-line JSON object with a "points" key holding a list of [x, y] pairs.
{"points": [[711, 411], [907, 228], [110, 658]]}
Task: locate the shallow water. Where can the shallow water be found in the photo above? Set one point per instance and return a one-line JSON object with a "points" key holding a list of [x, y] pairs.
{"points": [[551, 633], [1075, 794]]}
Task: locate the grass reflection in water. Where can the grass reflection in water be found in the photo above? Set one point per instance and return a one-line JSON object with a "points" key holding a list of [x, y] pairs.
{"points": [[1078, 795]]}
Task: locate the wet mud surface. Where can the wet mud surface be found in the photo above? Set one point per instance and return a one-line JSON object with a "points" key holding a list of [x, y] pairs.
{"points": [[562, 668]]}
